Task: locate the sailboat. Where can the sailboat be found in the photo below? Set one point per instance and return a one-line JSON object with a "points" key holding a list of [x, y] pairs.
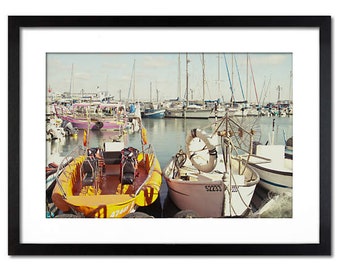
{"points": [[209, 177], [190, 110]]}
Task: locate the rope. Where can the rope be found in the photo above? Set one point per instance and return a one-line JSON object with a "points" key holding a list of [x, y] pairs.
{"points": [[179, 161]]}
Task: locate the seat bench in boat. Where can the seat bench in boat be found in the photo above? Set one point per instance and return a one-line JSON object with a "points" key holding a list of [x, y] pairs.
{"points": [[112, 152], [88, 170]]}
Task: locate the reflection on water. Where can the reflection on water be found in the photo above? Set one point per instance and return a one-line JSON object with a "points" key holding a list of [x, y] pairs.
{"points": [[168, 135]]}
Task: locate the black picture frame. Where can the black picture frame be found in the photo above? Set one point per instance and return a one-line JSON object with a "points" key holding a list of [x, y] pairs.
{"points": [[16, 23]]}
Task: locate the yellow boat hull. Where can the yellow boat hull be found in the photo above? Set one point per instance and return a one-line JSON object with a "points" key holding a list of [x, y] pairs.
{"points": [[94, 201]]}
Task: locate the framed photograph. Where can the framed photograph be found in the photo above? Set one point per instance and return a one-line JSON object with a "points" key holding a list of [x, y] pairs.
{"points": [[54, 60]]}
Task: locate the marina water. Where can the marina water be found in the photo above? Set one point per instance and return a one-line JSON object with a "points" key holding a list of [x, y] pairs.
{"points": [[167, 136]]}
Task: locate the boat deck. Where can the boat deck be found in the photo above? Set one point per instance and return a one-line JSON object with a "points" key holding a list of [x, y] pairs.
{"points": [[108, 182]]}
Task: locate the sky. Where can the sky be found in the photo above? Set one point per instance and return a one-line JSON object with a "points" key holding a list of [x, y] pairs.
{"points": [[145, 76]]}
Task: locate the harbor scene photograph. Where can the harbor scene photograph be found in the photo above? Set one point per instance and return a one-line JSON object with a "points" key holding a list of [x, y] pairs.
{"points": [[169, 135], [119, 147]]}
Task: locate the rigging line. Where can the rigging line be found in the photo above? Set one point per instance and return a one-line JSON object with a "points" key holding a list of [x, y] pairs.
{"points": [[224, 154], [267, 89], [241, 141], [263, 87], [252, 73], [239, 78], [238, 191], [132, 76], [249, 123], [231, 207], [235, 137], [230, 84]]}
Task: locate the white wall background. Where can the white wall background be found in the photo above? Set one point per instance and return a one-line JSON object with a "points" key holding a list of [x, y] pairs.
{"points": [[85, 7]]}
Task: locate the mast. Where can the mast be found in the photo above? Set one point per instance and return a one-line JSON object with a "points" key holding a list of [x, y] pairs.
{"points": [[290, 85], [157, 94], [150, 92], [187, 81], [279, 93], [239, 78], [203, 67], [179, 90], [218, 75], [134, 82], [72, 81], [132, 78], [230, 83], [107, 83], [247, 89], [232, 69]]}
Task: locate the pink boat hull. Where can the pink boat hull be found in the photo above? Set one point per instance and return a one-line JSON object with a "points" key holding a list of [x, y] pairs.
{"points": [[96, 124]]}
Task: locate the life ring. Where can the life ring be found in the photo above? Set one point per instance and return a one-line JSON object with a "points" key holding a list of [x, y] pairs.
{"points": [[211, 164]]}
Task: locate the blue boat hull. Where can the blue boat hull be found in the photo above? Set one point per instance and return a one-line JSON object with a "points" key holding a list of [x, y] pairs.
{"points": [[154, 114]]}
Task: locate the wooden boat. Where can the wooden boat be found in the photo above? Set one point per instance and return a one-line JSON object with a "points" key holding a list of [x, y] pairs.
{"points": [[110, 181], [210, 178]]}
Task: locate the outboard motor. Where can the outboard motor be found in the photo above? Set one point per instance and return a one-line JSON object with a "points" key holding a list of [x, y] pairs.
{"points": [[68, 127], [128, 165]]}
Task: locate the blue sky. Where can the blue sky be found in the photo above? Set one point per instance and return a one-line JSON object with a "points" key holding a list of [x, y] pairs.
{"points": [[112, 72]]}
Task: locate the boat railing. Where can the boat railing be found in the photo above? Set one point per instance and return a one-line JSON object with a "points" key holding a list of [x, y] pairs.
{"points": [[76, 151], [261, 159], [152, 155]]}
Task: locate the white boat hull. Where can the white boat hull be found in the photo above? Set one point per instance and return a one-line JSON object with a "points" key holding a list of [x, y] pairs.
{"points": [[207, 194], [188, 114], [277, 181], [189, 196], [277, 174]]}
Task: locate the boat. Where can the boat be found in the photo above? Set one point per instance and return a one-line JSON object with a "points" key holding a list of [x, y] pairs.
{"points": [[190, 109], [274, 164], [154, 113], [274, 168], [103, 116], [209, 177], [54, 130], [289, 148], [109, 181], [153, 110], [238, 109]]}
